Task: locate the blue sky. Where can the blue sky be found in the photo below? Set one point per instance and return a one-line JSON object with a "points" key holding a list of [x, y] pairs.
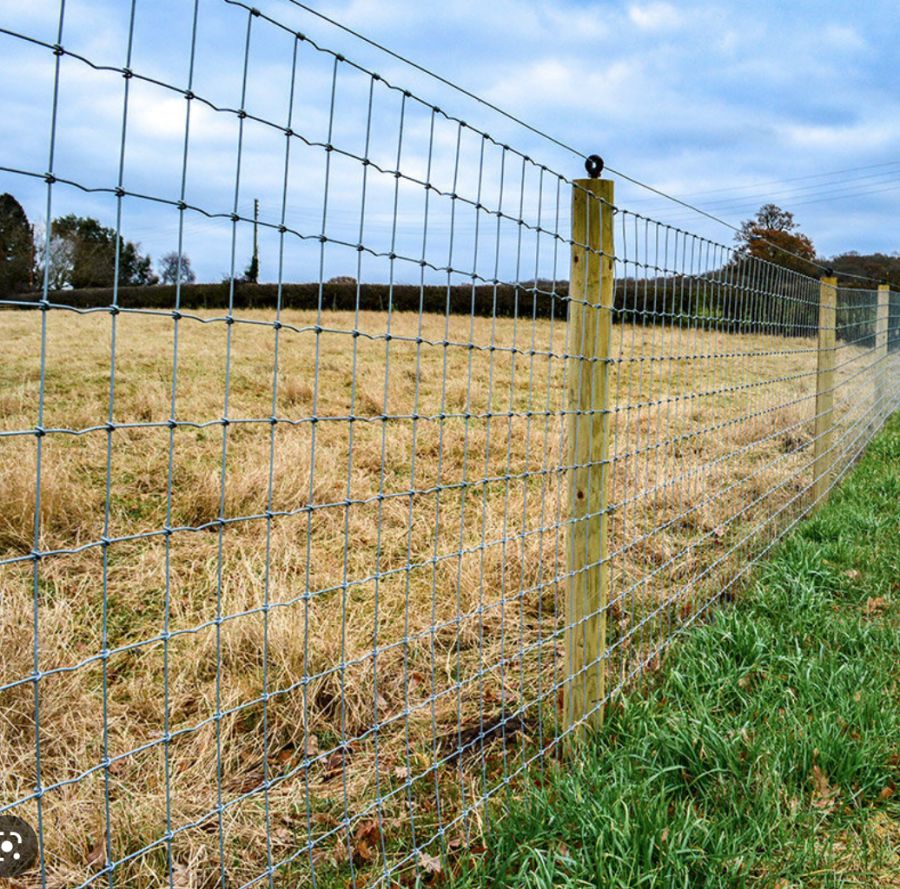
{"points": [[725, 104]]}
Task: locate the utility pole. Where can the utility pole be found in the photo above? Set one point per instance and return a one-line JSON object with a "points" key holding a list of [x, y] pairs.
{"points": [[32, 263], [254, 263]]}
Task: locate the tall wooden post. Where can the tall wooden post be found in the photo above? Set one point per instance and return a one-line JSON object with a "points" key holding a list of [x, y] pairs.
{"points": [[822, 456], [590, 331], [881, 350]]}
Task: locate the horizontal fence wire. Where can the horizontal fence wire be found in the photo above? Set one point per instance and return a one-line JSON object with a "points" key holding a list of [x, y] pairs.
{"points": [[284, 575]]}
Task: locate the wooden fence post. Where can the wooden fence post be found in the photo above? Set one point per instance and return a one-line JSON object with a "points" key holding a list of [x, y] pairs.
{"points": [[591, 289], [822, 456], [881, 351]]}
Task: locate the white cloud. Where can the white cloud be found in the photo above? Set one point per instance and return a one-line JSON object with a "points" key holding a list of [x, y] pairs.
{"points": [[576, 84], [858, 136], [655, 16], [843, 37]]}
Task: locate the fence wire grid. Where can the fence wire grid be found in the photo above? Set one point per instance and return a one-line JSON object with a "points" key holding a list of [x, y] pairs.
{"points": [[284, 576]]}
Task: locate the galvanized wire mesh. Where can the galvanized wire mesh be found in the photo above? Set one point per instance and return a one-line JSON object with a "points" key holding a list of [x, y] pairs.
{"points": [[284, 578]]}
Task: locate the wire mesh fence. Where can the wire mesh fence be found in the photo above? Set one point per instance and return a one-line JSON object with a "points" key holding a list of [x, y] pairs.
{"points": [[287, 571]]}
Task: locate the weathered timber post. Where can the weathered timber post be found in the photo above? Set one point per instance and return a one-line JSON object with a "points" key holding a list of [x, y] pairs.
{"points": [[591, 291], [881, 350], [822, 456]]}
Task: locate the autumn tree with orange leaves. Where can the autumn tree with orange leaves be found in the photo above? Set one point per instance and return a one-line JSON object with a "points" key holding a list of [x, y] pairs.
{"points": [[773, 235]]}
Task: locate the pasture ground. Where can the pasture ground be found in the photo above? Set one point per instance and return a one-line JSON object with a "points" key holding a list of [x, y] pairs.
{"points": [[379, 590]]}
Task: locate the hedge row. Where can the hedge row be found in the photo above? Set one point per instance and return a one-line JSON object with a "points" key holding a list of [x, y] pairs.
{"points": [[505, 300], [729, 307]]}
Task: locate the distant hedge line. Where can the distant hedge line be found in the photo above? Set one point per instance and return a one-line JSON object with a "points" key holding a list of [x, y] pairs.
{"points": [[505, 300], [651, 301]]}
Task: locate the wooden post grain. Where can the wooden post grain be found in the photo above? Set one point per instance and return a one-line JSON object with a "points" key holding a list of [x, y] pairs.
{"points": [[822, 456], [590, 332], [881, 351]]}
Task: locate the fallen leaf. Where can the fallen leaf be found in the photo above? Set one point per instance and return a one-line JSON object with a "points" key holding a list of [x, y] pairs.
{"points": [[824, 794], [852, 573], [181, 877], [875, 605], [97, 854], [367, 829], [563, 850], [283, 836], [886, 793], [248, 782], [431, 864]]}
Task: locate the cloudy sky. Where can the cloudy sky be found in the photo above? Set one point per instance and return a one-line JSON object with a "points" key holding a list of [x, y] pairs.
{"points": [[725, 104]]}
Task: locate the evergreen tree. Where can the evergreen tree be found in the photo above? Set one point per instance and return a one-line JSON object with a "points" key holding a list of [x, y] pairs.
{"points": [[16, 250]]}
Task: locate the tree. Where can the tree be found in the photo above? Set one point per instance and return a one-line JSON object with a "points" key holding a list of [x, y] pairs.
{"points": [[93, 249], [62, 259], [16, 256], [251, 273], [773, 235], [169, 269], [877, 266]]}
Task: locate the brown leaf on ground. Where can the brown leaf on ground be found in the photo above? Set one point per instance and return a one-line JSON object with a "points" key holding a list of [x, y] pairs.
{"points": [[247, 782], [886, 793], [467, 741], [431, 864], [852, 573], [824, 795], [336, 762], [181, 877], [282, 836], [875, 605], [365, 840], [97, 854]]}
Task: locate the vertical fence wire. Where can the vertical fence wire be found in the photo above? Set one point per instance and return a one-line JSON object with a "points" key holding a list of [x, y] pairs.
{"points": [[284, 566]]}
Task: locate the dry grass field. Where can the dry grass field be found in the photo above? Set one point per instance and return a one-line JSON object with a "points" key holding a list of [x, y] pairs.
{"points": [[393, 589]]}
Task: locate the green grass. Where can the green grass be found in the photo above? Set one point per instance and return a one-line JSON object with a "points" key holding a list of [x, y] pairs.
{"points": [[766, 753]]}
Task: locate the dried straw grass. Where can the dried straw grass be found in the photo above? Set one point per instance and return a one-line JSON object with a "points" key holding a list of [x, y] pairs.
{"points": [[460, 638]]}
